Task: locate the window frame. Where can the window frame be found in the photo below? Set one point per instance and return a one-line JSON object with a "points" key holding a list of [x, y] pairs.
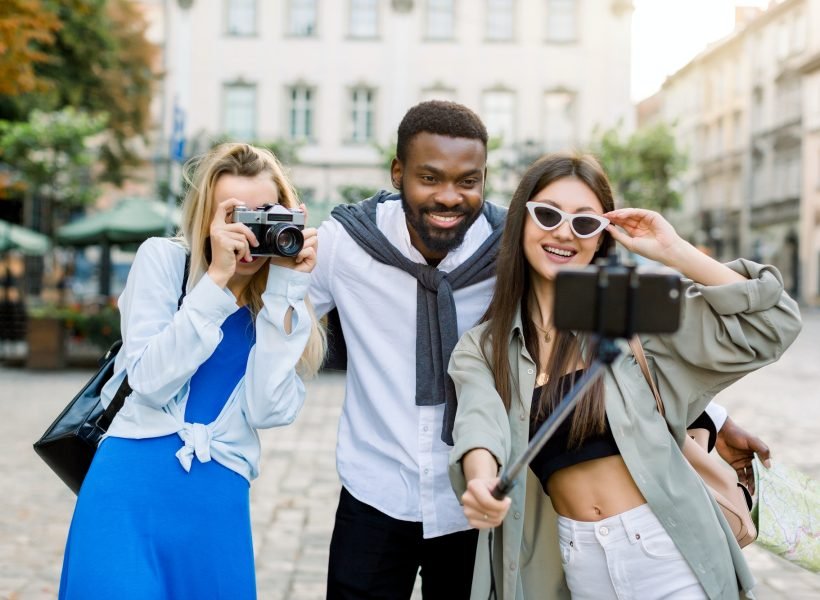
{"points": [[307, 132], [428, 15], [353, 103], [550, 36], [254, 30], [351, 34], [488, 12], [290, 30], [229, 86]]}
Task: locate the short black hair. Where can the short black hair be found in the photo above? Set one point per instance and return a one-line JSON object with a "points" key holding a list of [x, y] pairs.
{"points": [[439, 117]]}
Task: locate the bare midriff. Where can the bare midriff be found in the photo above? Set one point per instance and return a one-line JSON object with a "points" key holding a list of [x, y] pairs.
{"points": [[594, 489]]}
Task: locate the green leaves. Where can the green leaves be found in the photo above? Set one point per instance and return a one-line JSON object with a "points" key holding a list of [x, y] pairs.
{"points": [[50, 151], [643, 168]]}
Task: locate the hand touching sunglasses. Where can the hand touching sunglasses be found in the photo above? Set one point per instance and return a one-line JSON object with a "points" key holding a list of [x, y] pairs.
{"points": [[583, 225]]}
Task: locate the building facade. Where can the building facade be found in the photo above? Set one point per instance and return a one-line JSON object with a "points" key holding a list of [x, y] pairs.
{"points": [[333, 78], [739, 111]]}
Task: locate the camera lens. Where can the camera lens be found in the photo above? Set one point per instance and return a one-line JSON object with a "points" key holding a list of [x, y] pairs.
{"points": [[286, 240]]}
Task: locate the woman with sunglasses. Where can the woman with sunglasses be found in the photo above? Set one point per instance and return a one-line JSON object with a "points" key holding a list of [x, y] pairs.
{"points": [[610, 498]]}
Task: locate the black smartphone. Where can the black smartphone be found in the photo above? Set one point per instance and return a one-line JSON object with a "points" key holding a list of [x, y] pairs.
{"points": [[617, 300]]}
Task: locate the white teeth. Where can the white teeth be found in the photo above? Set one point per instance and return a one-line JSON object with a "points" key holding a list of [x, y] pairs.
{"points": [[445, 219], [559, 252]]}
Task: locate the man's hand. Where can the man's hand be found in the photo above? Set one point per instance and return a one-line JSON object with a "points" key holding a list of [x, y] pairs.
{"points": [[737, 447]]}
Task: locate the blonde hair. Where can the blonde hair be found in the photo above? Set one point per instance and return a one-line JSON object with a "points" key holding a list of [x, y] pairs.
{"points": [[202, 174]]}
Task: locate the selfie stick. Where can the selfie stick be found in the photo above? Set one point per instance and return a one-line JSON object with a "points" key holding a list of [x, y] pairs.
{"points": [[607, 352]]}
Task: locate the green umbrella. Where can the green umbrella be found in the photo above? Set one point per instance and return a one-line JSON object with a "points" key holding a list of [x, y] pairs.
{"points": [[131, 220], [15, 237]]}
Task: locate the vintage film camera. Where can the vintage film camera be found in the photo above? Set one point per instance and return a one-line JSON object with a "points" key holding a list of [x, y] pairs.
{"points": [[277, 228], [615, 300]]}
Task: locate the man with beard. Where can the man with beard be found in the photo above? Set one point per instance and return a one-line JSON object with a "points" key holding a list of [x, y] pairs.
{"points": [[409, 273]]}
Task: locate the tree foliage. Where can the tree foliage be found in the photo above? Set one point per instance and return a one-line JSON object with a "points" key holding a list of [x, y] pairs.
{"points": [[52, 159], [98, 61], [26, 31], [642, 167]]}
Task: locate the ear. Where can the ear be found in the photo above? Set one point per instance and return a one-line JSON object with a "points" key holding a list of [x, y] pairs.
{"points": [[396, 173]]}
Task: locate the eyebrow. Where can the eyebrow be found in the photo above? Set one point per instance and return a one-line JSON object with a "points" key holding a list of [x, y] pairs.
{"points": [[556, 205], [440, 173]]}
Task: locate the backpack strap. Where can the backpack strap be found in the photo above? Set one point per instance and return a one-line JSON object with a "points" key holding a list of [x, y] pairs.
{"points": [[124, 390]]}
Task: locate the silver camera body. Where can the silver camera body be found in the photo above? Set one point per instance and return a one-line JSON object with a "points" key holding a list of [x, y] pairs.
{"points": [[277, 228]]}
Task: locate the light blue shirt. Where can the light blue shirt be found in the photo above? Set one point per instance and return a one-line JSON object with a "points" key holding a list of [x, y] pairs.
{"points": [[163, 347]]}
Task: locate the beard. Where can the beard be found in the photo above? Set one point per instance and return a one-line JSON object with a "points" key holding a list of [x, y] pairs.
{"points": [[435, 239]]}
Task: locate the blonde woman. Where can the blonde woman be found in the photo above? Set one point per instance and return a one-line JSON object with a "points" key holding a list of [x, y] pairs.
{"points": [[164, 509]]}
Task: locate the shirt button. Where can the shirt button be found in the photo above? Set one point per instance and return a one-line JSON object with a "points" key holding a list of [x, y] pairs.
{"points": [[425, 428], [522, 417], [529, 371], [512, 566], [426, 471], [517, 515], [604, 531]]}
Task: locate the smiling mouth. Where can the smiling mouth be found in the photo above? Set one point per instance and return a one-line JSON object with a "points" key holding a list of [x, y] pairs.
{"points": [[444, 221], [560, 252]]}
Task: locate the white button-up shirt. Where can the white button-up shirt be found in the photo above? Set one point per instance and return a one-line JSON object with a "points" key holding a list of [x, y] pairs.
{"points": [[389, 453]]}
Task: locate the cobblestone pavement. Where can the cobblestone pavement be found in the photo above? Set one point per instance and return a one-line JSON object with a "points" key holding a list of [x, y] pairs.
{"points": [[294, 499]]}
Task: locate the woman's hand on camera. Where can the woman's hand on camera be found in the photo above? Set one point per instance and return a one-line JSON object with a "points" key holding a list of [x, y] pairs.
{"points": [[306, 259], [481, 509], [646, 233], [230, 243]]}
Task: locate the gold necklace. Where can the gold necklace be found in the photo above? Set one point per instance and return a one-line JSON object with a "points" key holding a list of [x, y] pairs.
{"points": [[547, 332]]}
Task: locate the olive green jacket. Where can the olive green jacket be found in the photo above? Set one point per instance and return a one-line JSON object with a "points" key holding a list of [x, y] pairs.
{"points": [[726, 332]]}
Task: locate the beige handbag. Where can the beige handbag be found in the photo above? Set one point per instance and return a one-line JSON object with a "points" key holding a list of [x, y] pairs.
{"points": [[732, 497]]}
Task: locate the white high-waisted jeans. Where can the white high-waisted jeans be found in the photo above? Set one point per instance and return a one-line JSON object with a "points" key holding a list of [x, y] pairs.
{"points": [[626, 557]]}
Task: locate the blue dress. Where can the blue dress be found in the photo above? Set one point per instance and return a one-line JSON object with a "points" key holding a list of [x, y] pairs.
{"points": [[144, 528]]}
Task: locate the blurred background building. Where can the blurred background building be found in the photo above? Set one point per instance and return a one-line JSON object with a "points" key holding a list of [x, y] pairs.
{"points": [[330, 80], [747, 112]]}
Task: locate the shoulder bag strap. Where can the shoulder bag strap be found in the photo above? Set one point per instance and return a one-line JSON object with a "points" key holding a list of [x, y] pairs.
{"points": [[637, 350], [125, 389]]}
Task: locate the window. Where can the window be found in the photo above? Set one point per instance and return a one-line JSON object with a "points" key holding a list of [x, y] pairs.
{"points": [[561, 21], [239, 112], [798, 33], [364, 18], [302, 18], [440, 19], [499, 20], [783, 40], [498, 109], [559, 120], [737, 131], [719, 136], [300, 113], [362, 105], [241, 17]]}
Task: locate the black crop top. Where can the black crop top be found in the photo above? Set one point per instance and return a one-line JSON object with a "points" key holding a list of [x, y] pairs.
{"points": [[555, 454]]}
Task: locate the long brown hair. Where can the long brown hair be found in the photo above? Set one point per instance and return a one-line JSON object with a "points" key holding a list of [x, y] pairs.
{"points": [[202, 174], [513, 290]]}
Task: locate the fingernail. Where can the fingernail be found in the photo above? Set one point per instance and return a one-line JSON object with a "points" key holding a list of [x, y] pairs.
{"points": [[767, 463]]}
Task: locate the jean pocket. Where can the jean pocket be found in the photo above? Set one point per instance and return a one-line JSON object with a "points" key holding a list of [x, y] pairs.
{"points": [[567, 549], [659, 545]]}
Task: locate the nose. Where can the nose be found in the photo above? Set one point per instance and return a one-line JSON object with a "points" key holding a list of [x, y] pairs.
{"points": [[563, 231], [449, 196]]}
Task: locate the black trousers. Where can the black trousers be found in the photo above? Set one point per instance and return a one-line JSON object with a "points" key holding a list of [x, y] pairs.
{"points": [[374, 556]]}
